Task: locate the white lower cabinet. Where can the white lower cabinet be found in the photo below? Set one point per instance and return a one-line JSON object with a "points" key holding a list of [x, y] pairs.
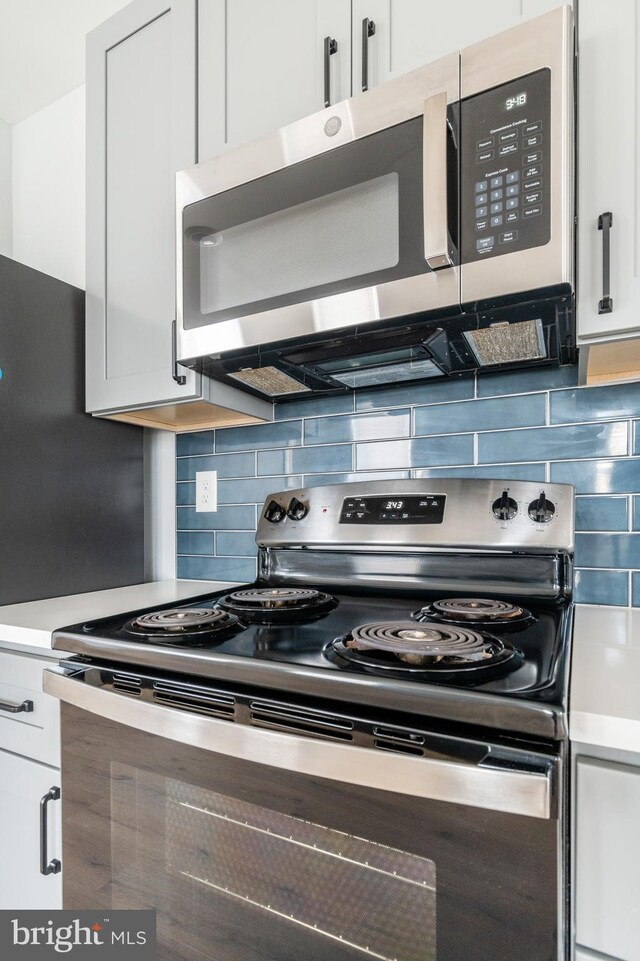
{"points": [[23, 785], [30, 826], [608, 859]]}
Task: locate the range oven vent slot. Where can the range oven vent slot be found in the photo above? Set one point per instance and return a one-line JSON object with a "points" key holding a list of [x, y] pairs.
{"points": [[296, 720], [395, 739], [127, 684], [194, 700]]}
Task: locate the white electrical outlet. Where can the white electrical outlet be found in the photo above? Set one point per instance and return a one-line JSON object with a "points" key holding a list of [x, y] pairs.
{"points": [[206, 491]]}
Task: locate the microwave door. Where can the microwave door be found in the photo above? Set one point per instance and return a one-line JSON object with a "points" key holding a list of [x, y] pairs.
{"points": [[517, 183], [346, 218]]}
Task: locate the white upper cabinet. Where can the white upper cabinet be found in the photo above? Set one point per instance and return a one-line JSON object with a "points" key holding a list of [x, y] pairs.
{"points": [[410, 33], [274, 69], [141, 129], [609, 132]]}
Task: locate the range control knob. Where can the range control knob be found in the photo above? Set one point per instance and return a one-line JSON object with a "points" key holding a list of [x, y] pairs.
{"points": [[504, 508], [297, 510], [275, 512], [541, 510]]}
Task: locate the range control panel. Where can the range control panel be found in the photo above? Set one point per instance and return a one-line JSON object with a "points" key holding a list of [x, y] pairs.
{"points": [[393, 509], [506, 168]]}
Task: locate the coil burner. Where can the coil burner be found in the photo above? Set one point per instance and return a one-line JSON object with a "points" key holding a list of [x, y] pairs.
{"points": [[484, 613], [179, 624], [439, 653], [274, 605]]}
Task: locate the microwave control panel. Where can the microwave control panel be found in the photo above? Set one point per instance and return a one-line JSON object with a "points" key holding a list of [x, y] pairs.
{"points": [[506, 168]]}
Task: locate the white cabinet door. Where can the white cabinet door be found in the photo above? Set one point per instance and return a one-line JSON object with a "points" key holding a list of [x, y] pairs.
{"points": [[410, 33], [609, 134], [273, 70], [23, 784], [141, 129], [608, 858]]}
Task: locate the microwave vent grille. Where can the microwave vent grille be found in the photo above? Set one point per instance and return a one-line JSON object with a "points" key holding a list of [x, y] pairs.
{"points": [[270, 381], [506, 343]]}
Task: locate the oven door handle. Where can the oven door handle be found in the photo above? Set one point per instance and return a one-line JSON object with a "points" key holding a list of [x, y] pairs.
{"points": [[510, 790], [434, 175]]}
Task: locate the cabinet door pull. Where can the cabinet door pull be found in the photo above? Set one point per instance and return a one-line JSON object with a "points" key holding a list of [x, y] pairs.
{"points": [[26, 707], [368, 30], [53, 866], [330, 47], [605, 222], [179, 378]]}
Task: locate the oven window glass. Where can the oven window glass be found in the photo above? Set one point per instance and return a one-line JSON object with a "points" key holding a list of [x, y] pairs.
{"points": [[280, 866], [314, 243]]}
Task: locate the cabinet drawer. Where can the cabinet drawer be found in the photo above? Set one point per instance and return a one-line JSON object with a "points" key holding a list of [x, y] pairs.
{"points": [[607, 859], [34, 734]]}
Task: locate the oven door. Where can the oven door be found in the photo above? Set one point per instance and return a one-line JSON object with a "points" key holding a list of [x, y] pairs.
{"points": [[346, 217], [253, 845]]}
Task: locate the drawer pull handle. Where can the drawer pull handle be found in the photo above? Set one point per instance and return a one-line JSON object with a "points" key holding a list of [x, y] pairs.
{"points": [[26, 707], [53, 866]]}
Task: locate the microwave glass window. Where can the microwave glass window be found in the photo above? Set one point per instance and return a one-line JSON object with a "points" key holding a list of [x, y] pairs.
{"points": [[311, 244]]}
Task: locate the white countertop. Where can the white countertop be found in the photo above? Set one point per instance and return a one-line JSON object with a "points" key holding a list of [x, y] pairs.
{"points": [[604, 705], [28, 627]]}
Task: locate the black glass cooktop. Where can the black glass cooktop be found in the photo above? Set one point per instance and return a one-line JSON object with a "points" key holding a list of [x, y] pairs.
{"points": [[298, 653]]}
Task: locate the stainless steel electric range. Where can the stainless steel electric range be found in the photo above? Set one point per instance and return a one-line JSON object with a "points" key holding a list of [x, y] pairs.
{"points": [[362, 754]]}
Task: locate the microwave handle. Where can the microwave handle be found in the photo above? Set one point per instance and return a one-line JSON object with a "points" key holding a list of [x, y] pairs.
{"points": [[434, 176], [330, 47]]}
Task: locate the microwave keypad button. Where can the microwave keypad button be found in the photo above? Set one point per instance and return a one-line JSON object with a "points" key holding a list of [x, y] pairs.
{"points": [[508, 148], [485, 144], [509, 136], [496, 221], [485, 243], [533, 198], [513, 190], [512, 203], [513, 177], [534, 171], [482, 198], [497, 208], [497, 194], [534, 141], [482, 224], [508, 237], [482, 158], [531, 212], [531, 158], [481, 186], [534, 184], [533, 127], [481, 212], [496, 182], [512, 216]]}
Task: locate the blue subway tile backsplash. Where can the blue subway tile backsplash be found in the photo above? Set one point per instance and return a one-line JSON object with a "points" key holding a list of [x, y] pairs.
{"points": [[534, 424]]}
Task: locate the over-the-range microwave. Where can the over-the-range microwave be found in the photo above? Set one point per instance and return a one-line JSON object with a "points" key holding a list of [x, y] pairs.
{"points": [[421, 229]]}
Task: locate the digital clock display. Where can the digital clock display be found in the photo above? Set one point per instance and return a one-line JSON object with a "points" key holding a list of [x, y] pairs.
{"points": [[519, 100], [412, 509]]}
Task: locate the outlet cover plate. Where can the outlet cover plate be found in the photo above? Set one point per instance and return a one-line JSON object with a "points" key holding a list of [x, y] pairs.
{"points": [[206, 491]]}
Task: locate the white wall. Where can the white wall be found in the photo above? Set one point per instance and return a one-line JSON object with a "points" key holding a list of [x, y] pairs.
{"points": [[5, 189], [49, 189]]}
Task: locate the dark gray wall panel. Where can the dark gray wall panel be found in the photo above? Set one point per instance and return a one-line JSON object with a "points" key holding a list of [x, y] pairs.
{"points": [[71, 486]]}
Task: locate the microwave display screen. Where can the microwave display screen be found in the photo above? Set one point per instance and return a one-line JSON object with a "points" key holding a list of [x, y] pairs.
{"points": [[394, 509]]}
